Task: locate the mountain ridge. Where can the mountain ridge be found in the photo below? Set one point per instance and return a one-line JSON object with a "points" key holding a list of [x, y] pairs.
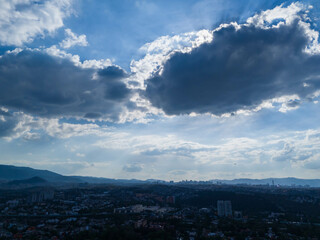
{"points": [[9, 173]]}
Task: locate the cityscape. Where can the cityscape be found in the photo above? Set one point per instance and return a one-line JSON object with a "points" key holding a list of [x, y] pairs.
{"points": [[35, 208]]}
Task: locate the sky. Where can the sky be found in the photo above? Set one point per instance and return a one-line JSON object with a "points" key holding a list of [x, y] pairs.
{"points": [[171, 90]]}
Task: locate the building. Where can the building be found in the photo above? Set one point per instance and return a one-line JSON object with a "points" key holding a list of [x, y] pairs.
{"points": [[228, 208], [41, 196], [237, 214], [220, 207], [224, 208]]}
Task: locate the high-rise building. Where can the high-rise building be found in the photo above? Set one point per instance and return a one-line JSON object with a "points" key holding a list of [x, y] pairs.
{"points": [[224, 208], [228, 208], [220, 207]]}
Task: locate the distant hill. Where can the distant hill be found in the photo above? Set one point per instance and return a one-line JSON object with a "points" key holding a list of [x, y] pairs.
{"points": [[100, 180], [11, 173], [17, 175], [29, 181]]}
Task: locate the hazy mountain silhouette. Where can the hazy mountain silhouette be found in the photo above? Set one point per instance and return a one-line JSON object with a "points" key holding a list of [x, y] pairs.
{"points": [[10, 173], [29, 181], [26, 175]]}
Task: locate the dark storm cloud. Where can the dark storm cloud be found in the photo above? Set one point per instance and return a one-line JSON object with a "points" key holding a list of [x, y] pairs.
{"points": [[237, 70], [115, 89], [112, 73], [47, 86]]}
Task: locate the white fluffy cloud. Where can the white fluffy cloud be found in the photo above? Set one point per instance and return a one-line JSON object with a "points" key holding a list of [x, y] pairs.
{"points": [[23, 20], [73, 39], [75, 59]]}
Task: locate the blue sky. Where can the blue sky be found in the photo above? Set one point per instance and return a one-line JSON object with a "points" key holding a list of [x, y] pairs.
{"points": [[170, 90]]}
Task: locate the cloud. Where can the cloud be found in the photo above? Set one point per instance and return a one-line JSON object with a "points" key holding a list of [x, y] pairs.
{"points": [[57, 129], [192, 148], [151, 145], [292, 151], [132, 168], [158, 51], [273, 55], [37, 83], [75, 59], [20, 125], [73, 40], [7, 123], [80, 155], [22, 21]]}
